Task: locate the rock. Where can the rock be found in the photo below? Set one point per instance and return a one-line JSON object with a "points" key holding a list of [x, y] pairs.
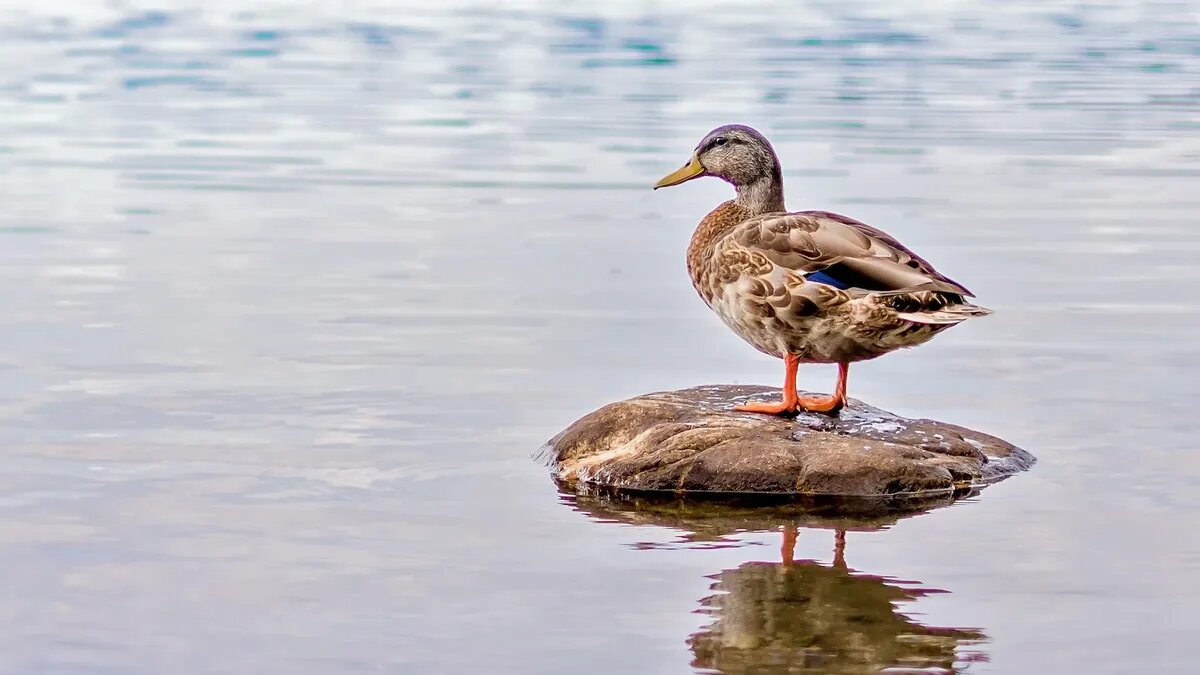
{"points": [[691, 441]]}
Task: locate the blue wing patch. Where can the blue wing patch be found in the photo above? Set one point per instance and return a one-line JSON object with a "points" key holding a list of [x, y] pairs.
{"points": [[821, 277]]}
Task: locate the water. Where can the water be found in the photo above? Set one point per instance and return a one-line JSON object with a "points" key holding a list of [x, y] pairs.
{"points": [[293, 291]]}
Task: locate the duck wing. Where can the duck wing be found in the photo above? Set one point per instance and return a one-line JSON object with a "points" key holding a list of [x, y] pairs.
{"points": [[842, 252]]}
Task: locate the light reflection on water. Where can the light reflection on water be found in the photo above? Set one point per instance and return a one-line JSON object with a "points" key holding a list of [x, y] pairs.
{"points": [[293, 290]]}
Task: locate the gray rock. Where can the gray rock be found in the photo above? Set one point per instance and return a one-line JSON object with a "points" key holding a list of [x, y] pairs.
{"points": [[691, 441]]}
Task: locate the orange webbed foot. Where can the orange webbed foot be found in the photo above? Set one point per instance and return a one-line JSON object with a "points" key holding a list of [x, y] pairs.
{"points": [[831, 404], [780, 408]]}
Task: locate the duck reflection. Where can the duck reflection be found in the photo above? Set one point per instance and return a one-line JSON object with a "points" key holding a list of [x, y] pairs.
{"points": [[802, 616]]}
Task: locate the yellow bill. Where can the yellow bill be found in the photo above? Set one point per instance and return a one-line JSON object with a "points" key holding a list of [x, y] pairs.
{"points": [[693, 169]]}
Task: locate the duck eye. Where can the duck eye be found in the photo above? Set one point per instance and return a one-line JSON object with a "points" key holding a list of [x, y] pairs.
{"points": [[720, 141]]}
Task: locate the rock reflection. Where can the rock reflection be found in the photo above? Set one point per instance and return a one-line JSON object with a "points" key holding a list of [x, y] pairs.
{"points": [[803, 616]]}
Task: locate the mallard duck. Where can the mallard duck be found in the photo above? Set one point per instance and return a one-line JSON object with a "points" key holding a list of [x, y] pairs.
{"points": [[806, 286]]}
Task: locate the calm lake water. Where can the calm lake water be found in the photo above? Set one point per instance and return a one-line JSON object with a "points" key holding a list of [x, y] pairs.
{"points": [[293, 291]]}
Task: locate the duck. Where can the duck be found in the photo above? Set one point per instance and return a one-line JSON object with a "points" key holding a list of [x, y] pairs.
{"points": [[806, 286]]}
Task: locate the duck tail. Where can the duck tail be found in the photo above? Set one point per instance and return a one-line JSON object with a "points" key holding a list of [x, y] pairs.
{"points": [[947, 315]]}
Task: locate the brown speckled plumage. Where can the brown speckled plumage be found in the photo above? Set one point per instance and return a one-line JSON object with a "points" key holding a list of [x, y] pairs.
{"points": [[750, 260]]}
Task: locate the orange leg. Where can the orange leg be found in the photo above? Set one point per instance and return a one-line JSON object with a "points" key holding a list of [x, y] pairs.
{"points": [[787, 549], [790, 403], [835, 402]]}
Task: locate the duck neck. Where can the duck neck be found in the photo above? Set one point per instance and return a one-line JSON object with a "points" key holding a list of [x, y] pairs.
{"points": [[764, 195]]}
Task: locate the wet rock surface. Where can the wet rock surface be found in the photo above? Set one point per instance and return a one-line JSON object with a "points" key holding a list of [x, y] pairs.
{"points": [[691, 441]]}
